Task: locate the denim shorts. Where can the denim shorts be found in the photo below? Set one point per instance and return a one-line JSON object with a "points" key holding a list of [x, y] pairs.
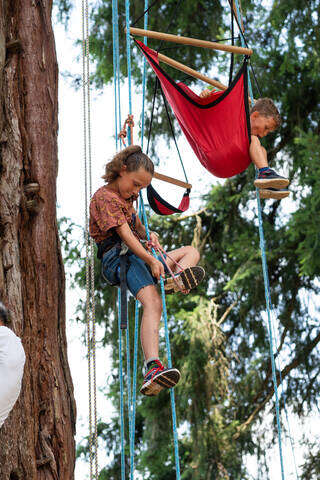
{"points": [[138, 272]]}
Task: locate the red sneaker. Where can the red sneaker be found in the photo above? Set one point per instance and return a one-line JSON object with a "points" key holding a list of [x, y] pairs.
{"points": [[158, 378]]}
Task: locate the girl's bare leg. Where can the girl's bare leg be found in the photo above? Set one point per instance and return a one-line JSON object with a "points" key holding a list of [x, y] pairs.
{"points": [[152, 310], [186, 256]]}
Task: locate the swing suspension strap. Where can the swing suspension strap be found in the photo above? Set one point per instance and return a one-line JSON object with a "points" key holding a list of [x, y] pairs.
{"points": [[172, 131], [157, 85]]}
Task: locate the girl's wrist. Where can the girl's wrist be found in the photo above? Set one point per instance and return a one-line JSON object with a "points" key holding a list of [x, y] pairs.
{"points": [[151, 260]]}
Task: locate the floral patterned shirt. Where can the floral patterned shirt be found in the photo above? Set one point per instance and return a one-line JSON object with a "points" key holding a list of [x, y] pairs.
{"points": [[109, 210]]}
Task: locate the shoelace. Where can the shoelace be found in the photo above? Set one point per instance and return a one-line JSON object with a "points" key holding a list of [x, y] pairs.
{"points": [[157, 369], [269, 171]]}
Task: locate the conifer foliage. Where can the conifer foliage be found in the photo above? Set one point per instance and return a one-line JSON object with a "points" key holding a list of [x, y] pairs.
{"points": [[218, 334]]}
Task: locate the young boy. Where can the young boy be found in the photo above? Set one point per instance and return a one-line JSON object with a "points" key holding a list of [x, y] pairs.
{"points": [[264, 119]]}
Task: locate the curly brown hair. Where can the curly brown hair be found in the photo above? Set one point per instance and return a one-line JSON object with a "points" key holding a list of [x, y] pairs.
{"points": [[267, 108], [133, 158]]}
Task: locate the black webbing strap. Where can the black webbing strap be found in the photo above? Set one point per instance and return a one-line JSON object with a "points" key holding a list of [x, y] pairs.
{"points": [[107, 244], [172, 130], [246, 44], [123, 292], [156, 86], [232, 54], [146, 11], [173, 17]]}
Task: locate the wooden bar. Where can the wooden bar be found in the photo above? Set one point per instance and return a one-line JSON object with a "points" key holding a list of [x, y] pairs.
{"points": [[139, 32], [190, 71], [164, 178]]}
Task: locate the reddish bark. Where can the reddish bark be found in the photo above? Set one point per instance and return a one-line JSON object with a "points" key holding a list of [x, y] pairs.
{"points": [[37, 440]]}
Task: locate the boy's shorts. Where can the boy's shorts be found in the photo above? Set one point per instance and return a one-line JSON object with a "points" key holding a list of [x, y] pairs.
{"points": [[138, 272]]}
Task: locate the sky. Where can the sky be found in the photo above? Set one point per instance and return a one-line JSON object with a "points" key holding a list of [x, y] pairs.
{"points": [[70, 203]]}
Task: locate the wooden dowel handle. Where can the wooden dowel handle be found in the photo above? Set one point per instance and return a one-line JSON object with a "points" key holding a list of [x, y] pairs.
{"points": [[190, 71], [190, 41], [164, 178]]}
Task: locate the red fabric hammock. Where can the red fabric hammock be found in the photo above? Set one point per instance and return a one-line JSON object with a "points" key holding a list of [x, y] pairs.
{"points": [[162, 207], [218, 126]]}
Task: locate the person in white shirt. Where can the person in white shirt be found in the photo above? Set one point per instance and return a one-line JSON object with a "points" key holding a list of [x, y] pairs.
{"points": [[12, 359]]}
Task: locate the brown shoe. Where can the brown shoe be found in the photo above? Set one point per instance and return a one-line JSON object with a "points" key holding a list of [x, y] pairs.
{"points": [[189, 278], [277, 194]]}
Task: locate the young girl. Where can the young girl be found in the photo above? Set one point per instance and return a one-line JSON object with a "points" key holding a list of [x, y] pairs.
{"points": [[113, 222]]}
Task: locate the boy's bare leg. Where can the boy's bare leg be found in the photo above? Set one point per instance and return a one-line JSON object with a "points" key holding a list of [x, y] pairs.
{"points": [[270, 180], [152, 310], [257, 153], [186, 256]]}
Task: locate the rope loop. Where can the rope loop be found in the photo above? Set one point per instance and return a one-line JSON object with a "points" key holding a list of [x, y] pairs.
{"points": [[129, 123]]}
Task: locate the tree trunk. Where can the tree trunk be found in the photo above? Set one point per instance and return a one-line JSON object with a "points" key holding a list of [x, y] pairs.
{"points": [[37, 440]]}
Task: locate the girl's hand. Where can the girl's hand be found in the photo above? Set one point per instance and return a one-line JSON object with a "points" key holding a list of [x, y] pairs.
{"points": [[157, 268], [154, 239]]}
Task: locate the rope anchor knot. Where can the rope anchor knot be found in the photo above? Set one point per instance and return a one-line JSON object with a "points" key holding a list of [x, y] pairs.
{"points": [[123, 133]]}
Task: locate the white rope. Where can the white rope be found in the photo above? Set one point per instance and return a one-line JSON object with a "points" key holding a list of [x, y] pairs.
{"points": [[90, 301]]}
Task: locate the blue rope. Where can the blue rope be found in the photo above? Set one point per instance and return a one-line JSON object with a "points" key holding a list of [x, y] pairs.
{"points": [[137, 304], [128, 53], [134, 383], [145, 220], [165, 318], [274, 378], [115, 47], [129, 379], [173, 406], [266, 282], [144, 76], [114, 53], [123, 468], [132, 394], [284, 397], [116, 26], [127, 6], [279, 368]]}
